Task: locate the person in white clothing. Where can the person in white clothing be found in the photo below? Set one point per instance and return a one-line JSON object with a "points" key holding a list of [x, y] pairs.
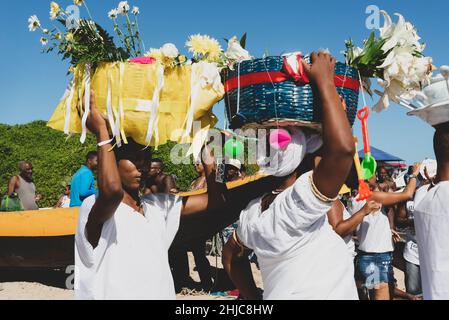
{"points": [[374, 261], [405, 219], [432, 224], [300, 256], [122, 240]]}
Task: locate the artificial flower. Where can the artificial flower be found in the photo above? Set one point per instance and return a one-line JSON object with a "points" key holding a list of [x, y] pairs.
{"points": [[58, 36], [33, 23], [154, 53], [205, 46], [169, 50], [123, 7], [210, 75], [136, 10], [45, 31], [182, 59], [44, 41], [113, 14], [54, 10], [236, 52], [78, 2]]}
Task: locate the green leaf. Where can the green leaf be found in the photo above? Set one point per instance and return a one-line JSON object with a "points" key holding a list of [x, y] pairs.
{"points": [[243, 40]]}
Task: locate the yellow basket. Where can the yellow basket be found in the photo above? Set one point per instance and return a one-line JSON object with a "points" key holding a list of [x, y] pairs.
{"points": [[138, 107]]}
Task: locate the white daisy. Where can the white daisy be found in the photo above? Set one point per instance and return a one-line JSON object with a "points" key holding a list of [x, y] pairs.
{"points": [[113, 14], [33, 23], [123, 7], [44, 41], [136, 11]]}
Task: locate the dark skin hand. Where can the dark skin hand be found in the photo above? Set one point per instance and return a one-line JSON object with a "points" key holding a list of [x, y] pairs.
{"points": [[331, 172], [162, 184]]}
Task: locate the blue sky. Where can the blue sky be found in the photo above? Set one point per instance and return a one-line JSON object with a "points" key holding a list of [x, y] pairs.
{"points": [[31, 83]]}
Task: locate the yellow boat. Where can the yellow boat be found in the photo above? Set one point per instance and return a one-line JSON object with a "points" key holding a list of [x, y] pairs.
{"points": [[45, 238]]}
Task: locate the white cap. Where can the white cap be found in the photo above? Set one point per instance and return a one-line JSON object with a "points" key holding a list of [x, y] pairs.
{"points": [[236, 163]]}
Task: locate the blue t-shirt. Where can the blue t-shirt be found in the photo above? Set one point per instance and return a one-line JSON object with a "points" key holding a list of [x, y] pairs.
{"points": [[82, 186]]}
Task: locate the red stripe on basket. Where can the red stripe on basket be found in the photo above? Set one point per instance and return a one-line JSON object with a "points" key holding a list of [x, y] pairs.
{"points": [[276, 77]]}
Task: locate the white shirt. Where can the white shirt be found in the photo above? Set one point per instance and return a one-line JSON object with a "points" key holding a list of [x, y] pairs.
{"points": [[432, 232], [299, 254], [348, 239], [65, 202], [374, 233], [131, 259]]}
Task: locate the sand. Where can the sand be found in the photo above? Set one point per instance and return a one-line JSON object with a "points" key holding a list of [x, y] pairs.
{"points": [[50, 285]]}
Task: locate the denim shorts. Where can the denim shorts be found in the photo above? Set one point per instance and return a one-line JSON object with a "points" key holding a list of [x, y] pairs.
{"points": [[374, 268]]}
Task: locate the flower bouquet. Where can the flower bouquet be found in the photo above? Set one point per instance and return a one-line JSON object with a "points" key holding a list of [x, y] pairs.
{"points": [[396, 58], [152, 97]]}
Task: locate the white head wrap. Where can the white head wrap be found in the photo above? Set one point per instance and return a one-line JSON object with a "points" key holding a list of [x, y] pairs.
{"points": [[282, 163]]}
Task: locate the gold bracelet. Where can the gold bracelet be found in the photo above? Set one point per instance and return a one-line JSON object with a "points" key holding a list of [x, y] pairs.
{"points": [[317, 192]]}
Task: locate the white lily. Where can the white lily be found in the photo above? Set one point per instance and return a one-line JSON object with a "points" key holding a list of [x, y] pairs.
{"points": [[236, 52], [169, 50], [403, 34]]}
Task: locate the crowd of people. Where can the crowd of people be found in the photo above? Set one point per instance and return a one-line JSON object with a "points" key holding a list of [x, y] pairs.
{"points": [[310, 242]]}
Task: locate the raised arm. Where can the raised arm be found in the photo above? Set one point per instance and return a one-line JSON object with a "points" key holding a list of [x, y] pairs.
{"points": [[338, 141], [347, 227], [110, 192], [392, 198]]}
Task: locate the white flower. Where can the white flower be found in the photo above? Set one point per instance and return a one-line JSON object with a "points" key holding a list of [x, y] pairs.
{"points": [[356, 52], [136, 10], [54, 10], [33, 23], [169, 50], [113, 14], [401, 34], [44, 41], [45, 31], [210, 75], [236, 52], [123, 7]]}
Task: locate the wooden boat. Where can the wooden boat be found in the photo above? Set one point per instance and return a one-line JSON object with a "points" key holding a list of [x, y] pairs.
{"points": [[46, 238]]}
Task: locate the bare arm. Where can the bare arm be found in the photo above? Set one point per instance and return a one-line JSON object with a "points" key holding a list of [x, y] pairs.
{"points": [[214, 199], [109, 184], [347, 227], [13, 185], [390, 198], [338, 141], [239, 270]]}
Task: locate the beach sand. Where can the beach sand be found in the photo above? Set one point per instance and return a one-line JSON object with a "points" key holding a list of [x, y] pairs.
{"points": [[50, 285]]}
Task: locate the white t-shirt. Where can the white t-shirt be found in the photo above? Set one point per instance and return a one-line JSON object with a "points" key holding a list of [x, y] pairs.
{"points": [[374, 233], [348, 239], [411, 252], [299, 254], [131, 259], [432, 232]]}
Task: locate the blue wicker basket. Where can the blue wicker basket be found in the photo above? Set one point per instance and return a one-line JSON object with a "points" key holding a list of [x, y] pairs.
{"points": [[268, 95]]}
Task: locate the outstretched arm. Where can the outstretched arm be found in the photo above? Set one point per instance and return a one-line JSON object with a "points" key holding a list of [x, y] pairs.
{"points": [[338, 141], [347, 227], [392, 198], [110, 192]]}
